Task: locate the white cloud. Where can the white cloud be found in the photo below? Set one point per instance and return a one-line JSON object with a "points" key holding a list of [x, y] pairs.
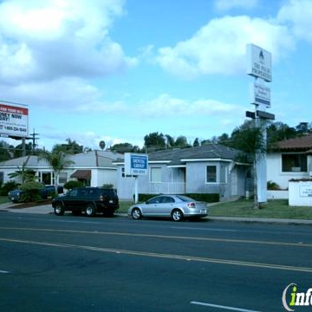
{"points": [[167, 106], [224, 5], [220, 46], [299, 14], [58, 38]]}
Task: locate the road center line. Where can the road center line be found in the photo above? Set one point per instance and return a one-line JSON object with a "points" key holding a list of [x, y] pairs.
{"points": [[165, 256], [221, 307], [145, 235]]}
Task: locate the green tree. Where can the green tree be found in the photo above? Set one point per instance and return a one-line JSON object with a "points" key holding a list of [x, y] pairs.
{"points": [[154, 141], [71, 147], [249, 139], [58, 162], [23, 174], [4, 151], [125, 148], [196, 142], [102, 145], [181, 141]]}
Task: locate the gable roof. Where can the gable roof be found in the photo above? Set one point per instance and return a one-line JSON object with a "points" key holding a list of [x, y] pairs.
{"points": [[180, 156], [92, 159], [303, 143]]}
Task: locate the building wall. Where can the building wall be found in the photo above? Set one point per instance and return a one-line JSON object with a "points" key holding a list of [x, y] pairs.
{"points": [[275, 174]]}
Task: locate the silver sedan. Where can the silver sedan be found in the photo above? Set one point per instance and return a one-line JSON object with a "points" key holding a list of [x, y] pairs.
{"points": [[176, 207]]}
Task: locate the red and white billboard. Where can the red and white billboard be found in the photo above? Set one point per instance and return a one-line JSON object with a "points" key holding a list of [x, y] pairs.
{"points": [[13, 120]]}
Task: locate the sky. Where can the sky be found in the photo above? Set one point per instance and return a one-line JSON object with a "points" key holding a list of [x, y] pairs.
{"points": [[117, 70]]}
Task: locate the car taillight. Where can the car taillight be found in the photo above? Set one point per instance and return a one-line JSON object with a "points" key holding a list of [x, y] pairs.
{"points": [[191, 205]]}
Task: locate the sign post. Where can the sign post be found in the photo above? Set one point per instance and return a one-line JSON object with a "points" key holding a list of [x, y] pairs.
{"points": [[135, 165], [259, 65]]}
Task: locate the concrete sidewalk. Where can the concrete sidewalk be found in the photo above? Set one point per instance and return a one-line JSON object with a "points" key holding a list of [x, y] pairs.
{"points": [[48, 209], [11, 207]]}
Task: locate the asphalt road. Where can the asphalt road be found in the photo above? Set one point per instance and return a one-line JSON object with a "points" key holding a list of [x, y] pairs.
{"points": [[50, 263]]}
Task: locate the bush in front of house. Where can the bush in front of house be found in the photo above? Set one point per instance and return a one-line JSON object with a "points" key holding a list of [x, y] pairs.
{"points": [[31, 191], [272, 186], [69, 185], [208, 198], [7, 187]]}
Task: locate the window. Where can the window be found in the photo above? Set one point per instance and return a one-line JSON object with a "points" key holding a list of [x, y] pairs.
{"points": [[211, 174], [155, 174], [123, 173], [294, 163]]}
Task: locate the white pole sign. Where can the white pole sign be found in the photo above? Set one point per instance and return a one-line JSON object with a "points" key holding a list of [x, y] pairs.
{"points": [[136, 164], [260, 94], [259, 62]]}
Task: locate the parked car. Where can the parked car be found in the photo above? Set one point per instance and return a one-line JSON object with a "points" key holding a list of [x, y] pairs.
{"points": [[16, 195], [90, 200], [176, 207]]}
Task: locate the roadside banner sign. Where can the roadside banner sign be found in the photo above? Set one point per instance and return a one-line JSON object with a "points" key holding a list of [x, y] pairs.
{"points": [[13, 120], [136, 164]]}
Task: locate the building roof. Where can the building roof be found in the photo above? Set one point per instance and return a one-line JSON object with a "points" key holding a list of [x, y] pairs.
{"points": [[205, 152], [92, 159], [179, 156], [303, 143]]}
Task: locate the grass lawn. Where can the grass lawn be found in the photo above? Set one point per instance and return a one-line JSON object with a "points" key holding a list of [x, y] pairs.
{"points": [[244, 208], [272, 209], [4, 199]]}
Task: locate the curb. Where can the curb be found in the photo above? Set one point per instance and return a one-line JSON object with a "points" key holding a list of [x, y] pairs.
{"points": [[47, 209]]}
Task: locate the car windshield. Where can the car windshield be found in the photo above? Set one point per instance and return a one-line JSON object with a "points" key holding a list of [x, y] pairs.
{"points": [[185, 198]]}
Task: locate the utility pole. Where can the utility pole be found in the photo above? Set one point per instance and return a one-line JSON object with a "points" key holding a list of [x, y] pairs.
{"points": [[34, 138]]}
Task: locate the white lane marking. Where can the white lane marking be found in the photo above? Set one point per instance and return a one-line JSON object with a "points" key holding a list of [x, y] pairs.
{"points": [[203, 229], [4, 272], [222, 307]]}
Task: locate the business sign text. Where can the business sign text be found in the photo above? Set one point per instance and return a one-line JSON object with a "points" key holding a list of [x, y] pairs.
{"points": [[136, 164], [260, 94], [13, 120], [259, 62]]}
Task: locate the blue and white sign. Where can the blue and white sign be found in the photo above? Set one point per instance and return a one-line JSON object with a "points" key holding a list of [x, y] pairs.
{"points": [[136, 164], [260, 94]]}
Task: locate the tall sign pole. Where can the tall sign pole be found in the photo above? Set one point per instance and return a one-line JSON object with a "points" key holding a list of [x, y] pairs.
{"points": [[259, 65]]}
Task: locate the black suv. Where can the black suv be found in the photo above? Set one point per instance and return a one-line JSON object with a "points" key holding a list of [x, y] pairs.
{"points": [[87, 199]]}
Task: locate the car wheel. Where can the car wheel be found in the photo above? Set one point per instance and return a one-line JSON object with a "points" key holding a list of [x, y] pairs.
{"points": [[59, 209], [177, 215], [90, 210], [136, 214]]}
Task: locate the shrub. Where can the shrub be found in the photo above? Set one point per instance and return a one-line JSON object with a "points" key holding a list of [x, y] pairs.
{"points": [[7, 187], [272, 186], [69, 185], [31, 191]]}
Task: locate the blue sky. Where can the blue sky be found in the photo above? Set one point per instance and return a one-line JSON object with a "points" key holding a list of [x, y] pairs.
{"points": [[116, 70]]}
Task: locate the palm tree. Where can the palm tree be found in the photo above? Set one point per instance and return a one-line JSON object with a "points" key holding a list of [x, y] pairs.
{"points": [[58, 161], [23, 174]]}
